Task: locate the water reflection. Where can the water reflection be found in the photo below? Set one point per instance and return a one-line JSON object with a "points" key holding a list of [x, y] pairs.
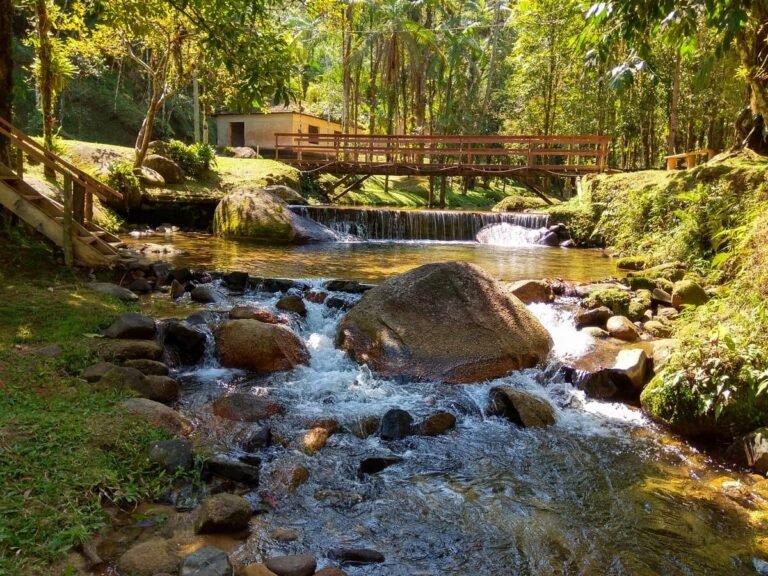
{"points": [[376, 261]]}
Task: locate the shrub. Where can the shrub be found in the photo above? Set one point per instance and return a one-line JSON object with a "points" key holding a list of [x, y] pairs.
{"points": [[195, 160], [519, 203]]}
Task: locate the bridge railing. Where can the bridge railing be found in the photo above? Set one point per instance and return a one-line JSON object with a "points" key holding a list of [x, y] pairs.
{"points": [[584, 153]]}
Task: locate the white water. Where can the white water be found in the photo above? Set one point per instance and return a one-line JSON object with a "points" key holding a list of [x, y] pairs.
{"points": [[509, 235]]}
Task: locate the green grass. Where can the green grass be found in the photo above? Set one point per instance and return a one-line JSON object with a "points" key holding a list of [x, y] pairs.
{"points": [[65, 450]]}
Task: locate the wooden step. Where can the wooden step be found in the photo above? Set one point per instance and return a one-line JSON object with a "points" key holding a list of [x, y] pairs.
{"points": [[87, 239], [32, 197]]}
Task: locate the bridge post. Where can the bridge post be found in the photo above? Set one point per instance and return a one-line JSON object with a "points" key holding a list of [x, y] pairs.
{"points": [[66, 228]]}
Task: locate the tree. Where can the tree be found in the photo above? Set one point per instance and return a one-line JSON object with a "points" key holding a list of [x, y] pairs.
{"points": [[743, 23], [6, 69]]}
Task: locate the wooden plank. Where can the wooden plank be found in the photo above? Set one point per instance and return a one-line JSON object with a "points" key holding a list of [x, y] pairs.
{"points": [[66, 226]]}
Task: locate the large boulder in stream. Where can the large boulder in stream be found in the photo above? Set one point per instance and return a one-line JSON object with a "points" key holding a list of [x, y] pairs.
{"points": [[257, 346], [259, 215], [449, 322]]}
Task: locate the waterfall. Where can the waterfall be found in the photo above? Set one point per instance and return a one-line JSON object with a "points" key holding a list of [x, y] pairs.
{"points": [[441, 225]]}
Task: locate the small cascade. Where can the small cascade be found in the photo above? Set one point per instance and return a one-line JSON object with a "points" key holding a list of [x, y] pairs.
{"points": [[505, 234], [436, 225]]}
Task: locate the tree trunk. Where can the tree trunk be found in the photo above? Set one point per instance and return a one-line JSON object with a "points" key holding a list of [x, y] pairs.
{"points": [[196, 109], [45, 81], [6, 70], [145, 133], [443, 186], [752, 45], [672, 136], [346, 52]]}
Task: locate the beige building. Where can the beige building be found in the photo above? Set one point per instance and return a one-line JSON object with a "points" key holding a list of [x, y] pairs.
{"points": [[257, 129]]}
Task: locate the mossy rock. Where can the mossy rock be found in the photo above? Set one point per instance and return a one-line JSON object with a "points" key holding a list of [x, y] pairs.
{"points": [[519, 204], [580, 219], [664, 284], [636, 309], [678, 406], [672, 271], [631, 263], [641, 283], [688, 293], [615, 299]]}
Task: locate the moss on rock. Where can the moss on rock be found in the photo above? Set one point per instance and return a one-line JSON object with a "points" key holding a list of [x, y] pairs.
{"points": [[615, 299]]}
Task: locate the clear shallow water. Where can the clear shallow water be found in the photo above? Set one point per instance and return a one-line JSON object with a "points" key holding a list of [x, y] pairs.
{"points": [[601, 492], [376, 261]]}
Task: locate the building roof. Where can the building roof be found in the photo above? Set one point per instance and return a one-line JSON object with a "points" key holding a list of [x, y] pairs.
{"points": [[292, 108]]}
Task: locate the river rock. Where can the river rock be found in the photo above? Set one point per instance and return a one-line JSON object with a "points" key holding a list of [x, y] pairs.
{"points": [[185, 342], [350, 286], [594, 317], [331, 571], [256, 214], [151, 178], [316, 296], [356, 556], [254, 313], [246, 407], [157, 414], [595, 332], [339, 302], [407, 327], [376, 464], [395, 424], [141, 286], [171, 455], [207, 561], [437, 424], [365, 426], [247, 473], [120, 350], [531, 291], [177, 290], [257, 570], [236, 280], [167, 168], [286, 194], [148, 367], [299, 565], [256, 439], [688, 293], [289, 478], [314, 440], [223, 513], [206, 294], [633, 364], [149, 558], [751, 451], [112, 290], [622, 328], [96, 371], [133, 326], [549, 239], [243, 152], [520, 407], [661, 296], [284, 535], [292, 303], [257, 346], [160, 388], [657, 329]]}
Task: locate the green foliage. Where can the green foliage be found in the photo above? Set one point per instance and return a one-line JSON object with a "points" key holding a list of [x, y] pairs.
{"points": [[579, 217], [517, 203], [616, 299], [195, 159], [122, 178]]}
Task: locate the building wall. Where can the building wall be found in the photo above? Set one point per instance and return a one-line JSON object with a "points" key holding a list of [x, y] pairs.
{"points": [[260, 129]]}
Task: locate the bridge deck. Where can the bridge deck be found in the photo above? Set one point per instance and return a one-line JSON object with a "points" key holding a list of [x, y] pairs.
{"points": [[443, 155]]}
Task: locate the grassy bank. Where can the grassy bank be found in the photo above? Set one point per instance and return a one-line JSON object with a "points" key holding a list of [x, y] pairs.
{"points": [[713, 219], [65, 450]]}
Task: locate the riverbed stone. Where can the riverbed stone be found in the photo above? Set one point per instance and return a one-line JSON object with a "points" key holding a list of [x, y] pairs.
{"points": [[112, 290], [185, 341], [256, 439], [257, 346], [207, 561], [171, 455], [657, 329], [149, 558], [350, 286], [688, 293], [295, 565], [356, 556], [257, 570], [120, 350], [531, 291], [395, 424], [331, 571], [614, 297], [622, 328], [246, 407], [133, 326], [522, 408], [254, 313], [177, 290], [245, 472], [223, 513], [751, 451], [236, 280], [365, 426], [284, 535], [407, 327], [292, 303], [593, 317], [290, 477], [157, 414], [206, 294], [437, 424], [314, 440], [595, 332], [94, 372], [255, 213], [633, 364], [375, 464], [148, 367], [661, 296]]}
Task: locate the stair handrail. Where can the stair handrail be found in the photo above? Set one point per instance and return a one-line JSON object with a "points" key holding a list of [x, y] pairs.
{"points": [[24, 142]]}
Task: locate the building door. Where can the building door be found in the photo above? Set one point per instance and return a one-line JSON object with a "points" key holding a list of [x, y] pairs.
{"points": [[237, 134], [314, 135]]}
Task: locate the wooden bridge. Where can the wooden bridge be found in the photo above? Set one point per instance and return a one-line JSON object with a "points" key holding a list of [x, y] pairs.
{"points": [[68, 224], [513, 156]]}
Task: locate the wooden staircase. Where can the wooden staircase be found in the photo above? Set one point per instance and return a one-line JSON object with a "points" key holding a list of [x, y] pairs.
{"points": [[68, 225]]}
